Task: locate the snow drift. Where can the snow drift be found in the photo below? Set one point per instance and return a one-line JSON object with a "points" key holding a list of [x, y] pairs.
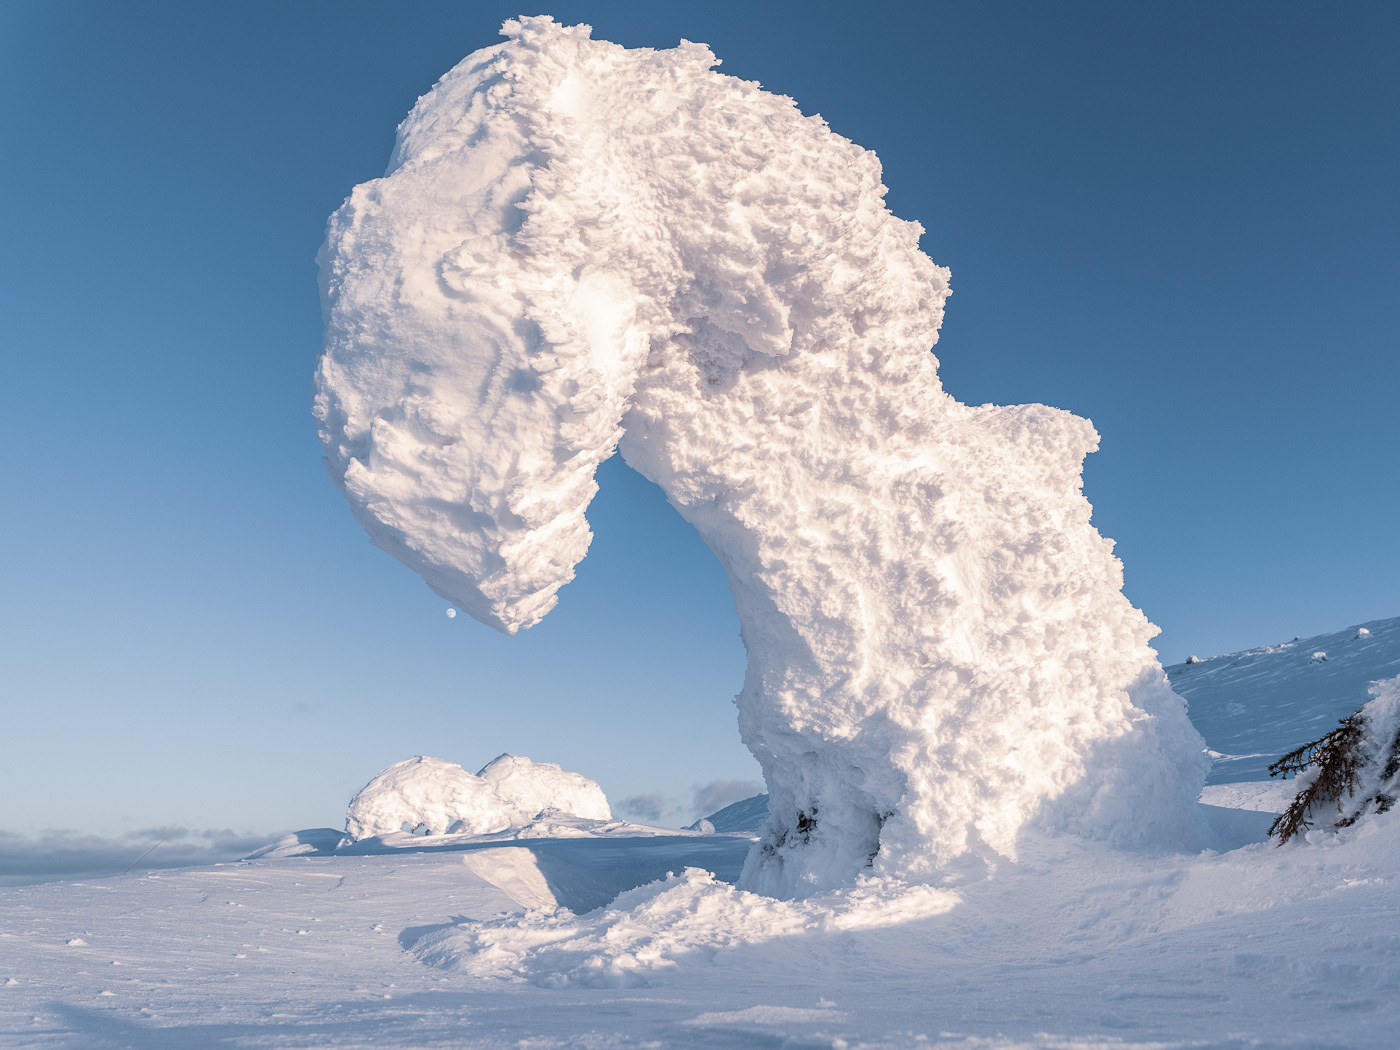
{"points": [[580, 249], [438, 797]]}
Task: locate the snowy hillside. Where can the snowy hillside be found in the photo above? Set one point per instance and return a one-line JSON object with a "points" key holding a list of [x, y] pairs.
{"points": [[1253, 706]]}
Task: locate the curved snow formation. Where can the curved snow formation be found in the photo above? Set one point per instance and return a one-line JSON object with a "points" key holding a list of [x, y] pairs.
{"points": [[532, 788], [428, 793], [441, 797], [580, 249]]}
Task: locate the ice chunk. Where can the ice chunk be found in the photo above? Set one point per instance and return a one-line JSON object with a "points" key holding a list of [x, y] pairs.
{"points": [[579, 249]]}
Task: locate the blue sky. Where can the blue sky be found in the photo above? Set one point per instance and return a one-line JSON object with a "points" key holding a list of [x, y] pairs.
{"points": [[1178, 220]]}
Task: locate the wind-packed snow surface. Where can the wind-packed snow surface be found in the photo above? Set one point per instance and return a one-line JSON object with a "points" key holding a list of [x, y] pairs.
{"points": [[1255, 705], [580, 249], [575, 933]]}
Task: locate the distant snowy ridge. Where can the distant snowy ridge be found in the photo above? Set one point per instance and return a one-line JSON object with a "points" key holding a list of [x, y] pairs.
{"points": [[745, 815], [580, 249], [1253, 706]]}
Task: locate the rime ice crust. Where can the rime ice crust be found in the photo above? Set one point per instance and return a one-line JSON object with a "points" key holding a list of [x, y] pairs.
{"points": [[441, 797], [428, 793], [533, 787], [581, 248]]}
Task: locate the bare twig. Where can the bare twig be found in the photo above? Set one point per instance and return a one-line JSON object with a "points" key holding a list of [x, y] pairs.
{"points": [[143, 856]]}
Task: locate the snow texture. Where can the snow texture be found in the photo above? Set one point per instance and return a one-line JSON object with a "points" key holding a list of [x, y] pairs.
{"points": [[649, 928], [439, 797], [1073, 947], [580, 249], [425, 793], [533, 787]]}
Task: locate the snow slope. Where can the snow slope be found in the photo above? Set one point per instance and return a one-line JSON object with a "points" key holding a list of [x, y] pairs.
{"points": [[1253, 706], [581, 249]]}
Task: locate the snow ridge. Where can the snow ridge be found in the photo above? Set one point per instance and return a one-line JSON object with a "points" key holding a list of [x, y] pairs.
{"points": [[580, 249]]}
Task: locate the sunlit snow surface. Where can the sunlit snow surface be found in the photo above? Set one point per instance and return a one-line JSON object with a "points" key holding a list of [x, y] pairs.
{"points": [[1259, 947], [1073, 946]]}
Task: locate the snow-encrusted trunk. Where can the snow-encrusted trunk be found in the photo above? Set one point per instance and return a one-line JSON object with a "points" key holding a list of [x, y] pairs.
{"points": [[579, 245], [939, 649]]}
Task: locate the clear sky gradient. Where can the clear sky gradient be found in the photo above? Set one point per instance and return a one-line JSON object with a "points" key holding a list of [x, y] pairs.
{"points": [[1181, 221]]}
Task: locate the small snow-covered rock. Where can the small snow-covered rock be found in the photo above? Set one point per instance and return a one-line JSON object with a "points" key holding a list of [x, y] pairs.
{"points": [[1193, 659], [1319, 657], [531, 787], [1361, 632], [426, 792]]}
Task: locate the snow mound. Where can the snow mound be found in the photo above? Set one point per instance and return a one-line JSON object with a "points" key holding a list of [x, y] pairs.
{"points": [[437, 797], [430, 794], [654, 927], [533, 787], [580, 249]]}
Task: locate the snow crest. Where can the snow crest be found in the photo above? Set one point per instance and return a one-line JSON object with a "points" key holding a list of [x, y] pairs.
{"points": [[580, 249], [652, 928]]}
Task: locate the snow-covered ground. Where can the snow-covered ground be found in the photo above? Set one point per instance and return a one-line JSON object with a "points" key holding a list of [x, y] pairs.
{"points": [[1072, 945], [1297, 947]]}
